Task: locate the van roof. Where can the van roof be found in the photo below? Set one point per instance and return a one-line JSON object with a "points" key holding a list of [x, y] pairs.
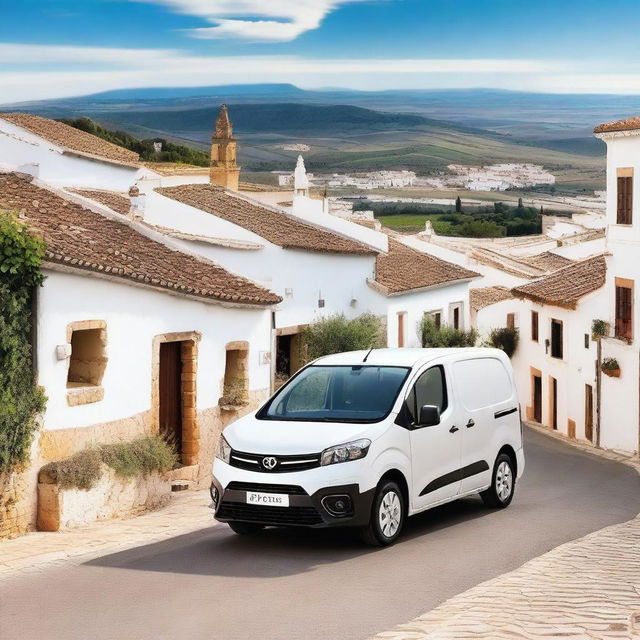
{"points": [[403, 357]]}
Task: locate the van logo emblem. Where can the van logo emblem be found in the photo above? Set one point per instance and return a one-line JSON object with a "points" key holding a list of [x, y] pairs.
{"points": [[269, 463]]}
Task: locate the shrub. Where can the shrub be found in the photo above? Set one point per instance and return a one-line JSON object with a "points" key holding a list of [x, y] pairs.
{"points": [[80, 471], [127, 459], [609, 364], [599, 329], [445, 336], [234, 393], [140, 456], [504, 338], [20, 398], [337, 333]]}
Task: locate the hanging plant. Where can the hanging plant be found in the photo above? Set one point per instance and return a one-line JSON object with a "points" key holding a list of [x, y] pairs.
{"points": [[610, 367]]}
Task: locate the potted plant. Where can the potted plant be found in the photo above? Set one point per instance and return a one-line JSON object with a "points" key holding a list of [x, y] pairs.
{"points": [[599, 329], [610, 367]]}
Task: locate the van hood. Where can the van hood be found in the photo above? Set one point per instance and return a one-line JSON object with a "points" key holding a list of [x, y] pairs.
{"points": [[286, 437]]}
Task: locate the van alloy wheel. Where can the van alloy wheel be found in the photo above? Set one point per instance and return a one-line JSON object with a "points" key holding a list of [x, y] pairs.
{"points": [[504, 480], [503, 483], [387, 515]]}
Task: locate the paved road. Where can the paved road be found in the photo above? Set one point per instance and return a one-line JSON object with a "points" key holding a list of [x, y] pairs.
{"points": [[213, 585]]}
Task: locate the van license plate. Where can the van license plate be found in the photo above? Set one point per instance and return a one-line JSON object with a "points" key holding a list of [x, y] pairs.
{"points": [[268, 499]]}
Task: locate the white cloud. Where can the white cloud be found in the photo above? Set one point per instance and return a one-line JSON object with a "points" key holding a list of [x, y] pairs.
{"points": [[84, 70], [256, 20]]}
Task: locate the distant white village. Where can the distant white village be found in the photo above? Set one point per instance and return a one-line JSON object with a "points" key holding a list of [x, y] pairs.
{"points": [[175, 300], [495, 177]]}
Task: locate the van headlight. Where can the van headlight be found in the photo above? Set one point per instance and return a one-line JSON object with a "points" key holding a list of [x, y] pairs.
{"points": [[345, 452], [224, 450]]}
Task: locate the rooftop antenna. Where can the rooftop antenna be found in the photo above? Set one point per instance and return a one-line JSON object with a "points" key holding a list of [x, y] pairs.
{"points": [[368, 354]]}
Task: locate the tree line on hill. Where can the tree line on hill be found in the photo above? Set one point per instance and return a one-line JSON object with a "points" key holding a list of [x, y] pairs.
{"points": [[169, 152]]}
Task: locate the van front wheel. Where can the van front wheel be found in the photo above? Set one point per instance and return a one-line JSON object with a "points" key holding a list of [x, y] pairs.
{"points": [[503, 483], [387, 516]]}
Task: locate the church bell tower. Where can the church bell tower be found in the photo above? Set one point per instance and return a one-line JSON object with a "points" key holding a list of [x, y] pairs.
{"points": [[223, 169]]}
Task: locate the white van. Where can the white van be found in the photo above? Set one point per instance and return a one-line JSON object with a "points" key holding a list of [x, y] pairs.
{"points": [[366, 439]]}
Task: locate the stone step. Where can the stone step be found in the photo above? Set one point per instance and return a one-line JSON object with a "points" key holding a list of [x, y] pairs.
{"points": [[180, 485]]}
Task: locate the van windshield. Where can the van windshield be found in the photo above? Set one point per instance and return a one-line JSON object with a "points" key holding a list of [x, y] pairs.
{"points": [[360, 393]]}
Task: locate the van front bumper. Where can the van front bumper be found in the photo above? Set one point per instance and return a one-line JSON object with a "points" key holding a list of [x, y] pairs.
{"points": [[335, 506]]}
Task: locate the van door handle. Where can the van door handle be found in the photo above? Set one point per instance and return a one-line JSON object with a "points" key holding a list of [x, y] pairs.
{"points": [[453, 429], [471, 423]]}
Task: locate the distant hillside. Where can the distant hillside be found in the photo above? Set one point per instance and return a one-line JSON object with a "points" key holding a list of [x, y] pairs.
{"points": [[272, 118]]}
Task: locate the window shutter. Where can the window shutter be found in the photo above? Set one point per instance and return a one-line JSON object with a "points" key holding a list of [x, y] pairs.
{"points": [[620, 208]]}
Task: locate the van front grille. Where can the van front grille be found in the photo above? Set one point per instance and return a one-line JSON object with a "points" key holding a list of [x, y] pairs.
{"points": [[242, 512], [283, 463], [289, 489]]}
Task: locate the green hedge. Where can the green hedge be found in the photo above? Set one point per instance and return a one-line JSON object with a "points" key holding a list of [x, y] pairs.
{"points": [[20, 398]]}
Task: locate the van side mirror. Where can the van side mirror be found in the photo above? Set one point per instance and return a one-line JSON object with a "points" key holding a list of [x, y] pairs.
{"points": [[429, 416]]}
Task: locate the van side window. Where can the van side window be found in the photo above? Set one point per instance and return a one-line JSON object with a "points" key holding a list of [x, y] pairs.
{"points": [[430, 388]]}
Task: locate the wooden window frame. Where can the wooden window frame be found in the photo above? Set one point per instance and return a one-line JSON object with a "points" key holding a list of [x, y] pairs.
{"points": [[402, 330], [511, 320], [624, 301], [624, 196], [557, 353], [535, 326]]}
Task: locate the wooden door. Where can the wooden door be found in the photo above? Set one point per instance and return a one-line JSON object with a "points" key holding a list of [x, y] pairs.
{"points": [[170, 395], [537, 399], [554, 403], [588, 412]]}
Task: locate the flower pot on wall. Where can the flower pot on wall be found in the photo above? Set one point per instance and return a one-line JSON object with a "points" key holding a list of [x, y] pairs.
{"points": [[612, 373]]}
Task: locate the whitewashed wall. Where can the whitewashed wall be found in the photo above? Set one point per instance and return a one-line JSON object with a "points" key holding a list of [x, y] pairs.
{"points": [[620, 396], [133, 316], [19, 147], [577, 367]]}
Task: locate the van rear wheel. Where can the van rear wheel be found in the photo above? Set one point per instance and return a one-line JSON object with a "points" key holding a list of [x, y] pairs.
{"points": [[503, 484], [387, 516]]}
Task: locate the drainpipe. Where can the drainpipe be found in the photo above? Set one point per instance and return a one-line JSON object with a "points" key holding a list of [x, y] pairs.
{"points": [[598, 391], [639, 409], [33, 337]]}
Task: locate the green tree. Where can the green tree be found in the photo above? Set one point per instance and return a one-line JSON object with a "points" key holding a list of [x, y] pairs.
{"points": [[21, 399], [445, 336], [458, 204]]}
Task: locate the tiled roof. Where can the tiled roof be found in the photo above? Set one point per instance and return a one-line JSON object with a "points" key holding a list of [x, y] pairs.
{"points": [[485, 296], [403, 269], [117, 202], [72, 139], [79, 238], [619, 125], [548, 261], [566, 286], [278, 228]]}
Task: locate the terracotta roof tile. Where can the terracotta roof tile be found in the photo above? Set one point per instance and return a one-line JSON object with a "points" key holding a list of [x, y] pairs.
{"points": [[548, 261], [404, 269], [276, 227], [72, 139], [80, 238], [485, 296], [626, 124], [117, 202], [566, 286]]}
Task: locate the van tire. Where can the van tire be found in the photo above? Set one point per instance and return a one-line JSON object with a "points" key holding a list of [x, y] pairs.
{"points": [[503, 484], [389, 501], [245, 528]]}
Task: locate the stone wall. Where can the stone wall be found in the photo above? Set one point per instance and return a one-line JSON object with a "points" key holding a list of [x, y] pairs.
{"points": [[111, 497]]}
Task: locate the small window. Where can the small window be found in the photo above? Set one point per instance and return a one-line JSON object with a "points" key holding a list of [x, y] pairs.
{"points": [[624, 310], [236, 377], [625, 197], [534, 326], [587, 341], [557, 347], [436, 316], [430, 388], [88, 358], [455, 315], [511, 320], [402, 317]]}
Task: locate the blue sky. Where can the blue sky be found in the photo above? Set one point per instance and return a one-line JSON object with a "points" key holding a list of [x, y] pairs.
{"points": [[51, 48]]}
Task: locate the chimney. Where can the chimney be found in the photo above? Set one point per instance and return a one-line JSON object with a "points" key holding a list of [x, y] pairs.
{"points": [[223, 170]]}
